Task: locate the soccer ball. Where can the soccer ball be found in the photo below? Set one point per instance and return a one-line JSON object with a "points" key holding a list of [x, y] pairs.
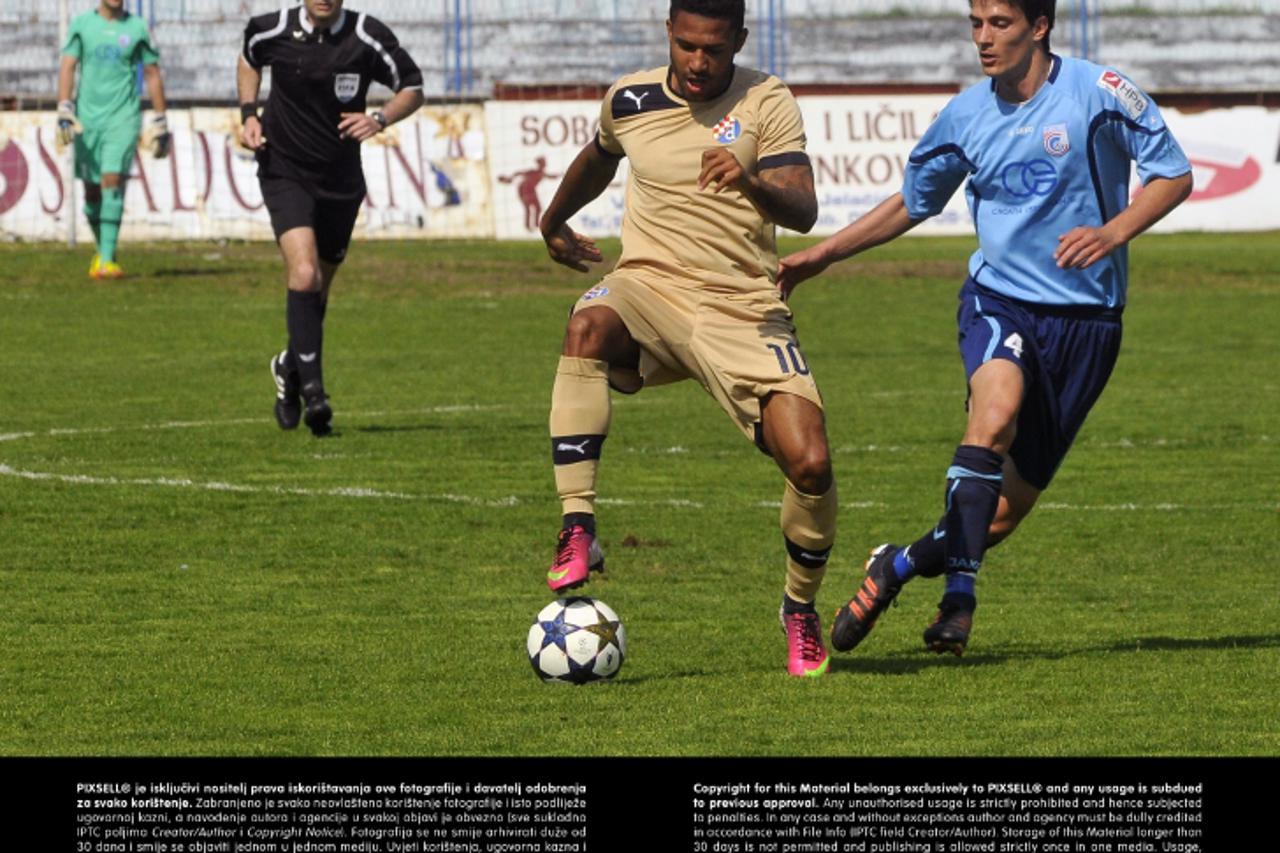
{"points": [[576, 640]]}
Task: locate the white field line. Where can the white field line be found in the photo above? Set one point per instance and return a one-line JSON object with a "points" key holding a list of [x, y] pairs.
{"points": [[164, 425], [1156, 507], [511, 500]]}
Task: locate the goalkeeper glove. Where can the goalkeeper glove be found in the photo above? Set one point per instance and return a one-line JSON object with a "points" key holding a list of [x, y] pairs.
{"points": [[69, 126], [159, 138]]}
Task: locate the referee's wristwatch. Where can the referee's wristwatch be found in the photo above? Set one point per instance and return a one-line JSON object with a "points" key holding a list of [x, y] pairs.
{"points": [[381, 118]]}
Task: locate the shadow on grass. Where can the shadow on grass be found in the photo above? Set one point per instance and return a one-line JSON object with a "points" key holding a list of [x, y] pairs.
{"points": [[377, 428], [908, 665], [203, 272]]}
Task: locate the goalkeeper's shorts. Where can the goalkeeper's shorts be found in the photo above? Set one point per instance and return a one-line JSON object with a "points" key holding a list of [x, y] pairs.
{"points": [[106, 150]]}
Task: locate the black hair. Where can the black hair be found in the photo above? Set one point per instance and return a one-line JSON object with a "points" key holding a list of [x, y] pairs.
{"points": [[1034, 10], [733, 11]]}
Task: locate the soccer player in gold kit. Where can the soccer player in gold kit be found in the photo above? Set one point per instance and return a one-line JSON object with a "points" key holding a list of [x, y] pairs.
{"points": [[716, 160]]}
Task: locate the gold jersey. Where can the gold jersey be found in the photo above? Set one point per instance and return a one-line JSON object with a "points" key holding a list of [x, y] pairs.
{"points": [[673, 230]]}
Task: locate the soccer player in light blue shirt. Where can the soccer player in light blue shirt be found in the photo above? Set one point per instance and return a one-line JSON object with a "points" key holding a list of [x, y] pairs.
{"points": [[1044, 149]]}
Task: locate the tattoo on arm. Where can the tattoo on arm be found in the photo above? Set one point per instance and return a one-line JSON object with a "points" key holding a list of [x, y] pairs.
{"points": [[786, 196]]}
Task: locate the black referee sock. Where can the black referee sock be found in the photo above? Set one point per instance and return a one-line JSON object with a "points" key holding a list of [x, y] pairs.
{"points": [[304, 313]]}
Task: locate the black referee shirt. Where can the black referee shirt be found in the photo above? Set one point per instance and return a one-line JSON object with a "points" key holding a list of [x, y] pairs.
{"points": [[316, 75]]}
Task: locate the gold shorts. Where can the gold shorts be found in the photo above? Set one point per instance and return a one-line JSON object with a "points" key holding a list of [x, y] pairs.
{"points": [[741, 346]]}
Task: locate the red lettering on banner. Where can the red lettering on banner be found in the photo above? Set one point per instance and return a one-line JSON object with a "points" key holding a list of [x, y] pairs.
{"points": [[208, 165], [557, 130], [528, 126], [52, 165], [878, 169], [882, 125], [14, 175], [177, 188], [231, 178], [141, 173]]}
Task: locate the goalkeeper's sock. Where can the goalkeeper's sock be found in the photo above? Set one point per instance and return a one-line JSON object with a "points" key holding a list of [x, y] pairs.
{"points": [[112, 212], [93, 213]]}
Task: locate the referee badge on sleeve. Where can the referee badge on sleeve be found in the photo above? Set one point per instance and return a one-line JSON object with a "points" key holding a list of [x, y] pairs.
{"points": [[346, 86]]}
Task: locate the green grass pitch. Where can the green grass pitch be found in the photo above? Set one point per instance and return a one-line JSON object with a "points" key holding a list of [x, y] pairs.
{"points": [[182, 578]]}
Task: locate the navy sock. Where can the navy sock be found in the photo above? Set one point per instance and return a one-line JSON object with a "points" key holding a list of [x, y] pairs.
{"points": [[304, 312], [973, 494], [586, 519], [790, 605], [926, 557]]}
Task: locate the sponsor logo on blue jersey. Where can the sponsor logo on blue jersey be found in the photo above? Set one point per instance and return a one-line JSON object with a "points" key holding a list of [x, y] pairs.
{"points": [[1129, 96], [1055, 140], [727, 130], [1027, 178]]}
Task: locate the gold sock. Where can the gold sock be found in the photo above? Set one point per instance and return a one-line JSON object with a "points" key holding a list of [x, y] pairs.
{"points": [[809, 529], [579, 424]]}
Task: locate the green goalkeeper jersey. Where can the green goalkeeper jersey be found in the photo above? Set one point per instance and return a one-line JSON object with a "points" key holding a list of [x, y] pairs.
{"points": [[109, 52]]}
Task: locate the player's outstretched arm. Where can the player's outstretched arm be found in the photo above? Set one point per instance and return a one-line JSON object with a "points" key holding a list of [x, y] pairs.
{"points": [[884, 222], [587, 177], [1083, 246]]}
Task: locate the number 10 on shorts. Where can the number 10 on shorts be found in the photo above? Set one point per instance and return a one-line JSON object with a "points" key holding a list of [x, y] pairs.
{"points": [[790, 359]]}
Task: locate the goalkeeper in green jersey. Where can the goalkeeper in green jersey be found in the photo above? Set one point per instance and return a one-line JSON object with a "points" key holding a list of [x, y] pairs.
{"points": [[104, 120]]}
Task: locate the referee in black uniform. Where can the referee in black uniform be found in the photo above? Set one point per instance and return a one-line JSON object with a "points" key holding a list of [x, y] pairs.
{"points": [[322, 59]]}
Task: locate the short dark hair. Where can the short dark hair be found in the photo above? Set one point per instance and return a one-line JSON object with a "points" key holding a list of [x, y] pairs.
{"points": [[733, 11], [1034, 10]]}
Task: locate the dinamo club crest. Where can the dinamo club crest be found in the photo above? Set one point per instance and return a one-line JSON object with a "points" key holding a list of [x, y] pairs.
{"points": [[346, 86], [727, 130]]}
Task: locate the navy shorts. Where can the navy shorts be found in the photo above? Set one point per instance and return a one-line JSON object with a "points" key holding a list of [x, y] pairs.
{"points": [[1066, 354], [294, 204]]}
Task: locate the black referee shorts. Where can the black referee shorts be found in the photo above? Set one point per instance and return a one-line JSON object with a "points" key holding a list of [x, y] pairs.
{"points": [[293, 204]]}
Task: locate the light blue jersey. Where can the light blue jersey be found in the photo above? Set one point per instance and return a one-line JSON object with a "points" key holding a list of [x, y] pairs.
{"points": [[1039, 169]]}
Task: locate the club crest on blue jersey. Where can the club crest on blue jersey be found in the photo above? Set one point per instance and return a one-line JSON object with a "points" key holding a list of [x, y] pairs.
{"points": [[727, 130], [346, 86], [1056, 142], [595, 293]]}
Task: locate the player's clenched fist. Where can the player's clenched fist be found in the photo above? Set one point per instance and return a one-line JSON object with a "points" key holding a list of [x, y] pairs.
{"points": [[68, 125], [720, 169], [251, 134]]}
